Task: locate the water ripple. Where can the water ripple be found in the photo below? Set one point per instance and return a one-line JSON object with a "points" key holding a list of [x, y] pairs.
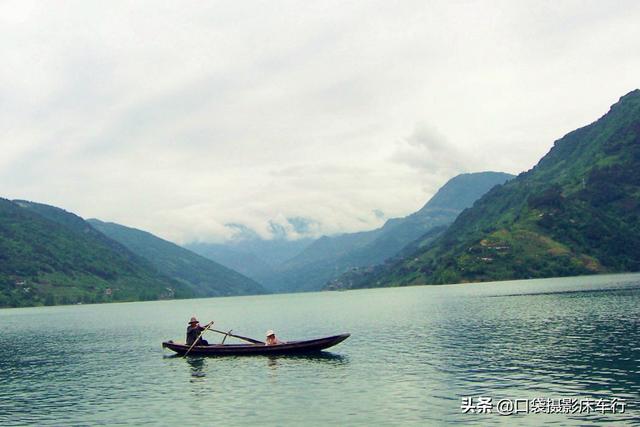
{"points": [[413, 354]]}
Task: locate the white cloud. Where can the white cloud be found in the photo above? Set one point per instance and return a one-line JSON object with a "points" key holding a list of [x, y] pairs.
{"points": [[181, 117], [428, 151]]}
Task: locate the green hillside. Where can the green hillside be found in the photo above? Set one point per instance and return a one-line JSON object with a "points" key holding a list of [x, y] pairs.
{"points": [[576, 212], [459, 193], [58, 258], [203, 276]]}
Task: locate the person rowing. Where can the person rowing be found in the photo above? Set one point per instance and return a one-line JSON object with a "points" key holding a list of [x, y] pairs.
{"points": [[194, 330]]}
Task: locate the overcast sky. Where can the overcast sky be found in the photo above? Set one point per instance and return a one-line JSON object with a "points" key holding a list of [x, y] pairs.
{"points": [[181, 117]]}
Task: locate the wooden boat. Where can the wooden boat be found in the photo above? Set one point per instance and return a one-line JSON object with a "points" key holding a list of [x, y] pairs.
{"points": [[290, 347]]}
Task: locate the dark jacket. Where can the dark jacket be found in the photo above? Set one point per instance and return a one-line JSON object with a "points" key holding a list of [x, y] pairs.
{"points": [[192, 333]]}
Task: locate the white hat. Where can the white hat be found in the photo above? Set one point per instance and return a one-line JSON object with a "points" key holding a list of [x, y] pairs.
{"points": [[269, 333], [193, 320]]}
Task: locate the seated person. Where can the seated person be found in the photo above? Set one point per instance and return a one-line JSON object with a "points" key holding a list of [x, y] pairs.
{"points": [[193, 332], [271, 338]]}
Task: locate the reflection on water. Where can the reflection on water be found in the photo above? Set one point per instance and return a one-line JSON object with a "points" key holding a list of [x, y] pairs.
{"points": [[313, 357], [197, 366], [272, 362], [413, 354], [319, 357]]}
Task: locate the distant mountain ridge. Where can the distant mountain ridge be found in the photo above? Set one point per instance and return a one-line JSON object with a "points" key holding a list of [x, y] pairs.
{"points": [[203, 276], [254, 257], [314, 263], [329, 257], [459, 193], [576, 212]]}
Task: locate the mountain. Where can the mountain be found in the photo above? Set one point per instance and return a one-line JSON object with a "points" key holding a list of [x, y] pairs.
{"points": [[576, 212], [235, 258], [456, 195], [251, 255], [50, 256], [201, 275], [329, 257]]}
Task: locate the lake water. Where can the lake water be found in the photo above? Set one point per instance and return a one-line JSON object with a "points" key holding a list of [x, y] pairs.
{"points": [[413, 355]]}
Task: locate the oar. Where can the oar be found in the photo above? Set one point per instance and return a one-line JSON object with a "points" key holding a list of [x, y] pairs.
{"points": [[198, 339], [251, 340]]}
